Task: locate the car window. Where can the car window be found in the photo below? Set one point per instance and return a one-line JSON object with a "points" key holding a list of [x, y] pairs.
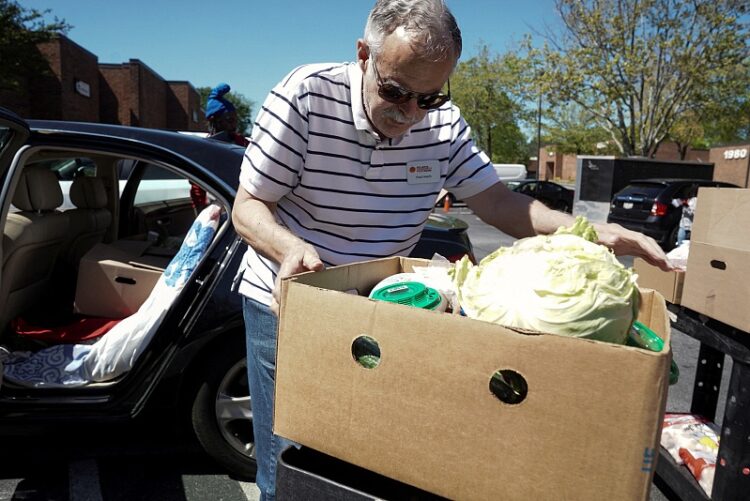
{"points": [[5, 135], [159, 184], [646, 190]]}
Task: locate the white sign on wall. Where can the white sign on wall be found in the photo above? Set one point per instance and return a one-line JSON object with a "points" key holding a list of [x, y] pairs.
{"points": [[83, 88], [736, 154]]}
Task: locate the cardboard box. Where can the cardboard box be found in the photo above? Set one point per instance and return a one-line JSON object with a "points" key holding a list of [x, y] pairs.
{"points": [[717, 282], [588, 427], [667, 283], [111, 282]]}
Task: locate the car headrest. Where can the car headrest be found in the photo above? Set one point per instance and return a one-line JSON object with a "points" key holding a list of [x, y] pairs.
{"points": [[38, 190], [88, 193]]}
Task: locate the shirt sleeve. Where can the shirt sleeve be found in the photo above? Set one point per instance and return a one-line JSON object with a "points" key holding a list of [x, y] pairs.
{"points": [[470, 170], [274, 159]]}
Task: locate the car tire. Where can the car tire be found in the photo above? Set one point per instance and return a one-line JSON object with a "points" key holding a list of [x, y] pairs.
{"points": [[221, 412]]}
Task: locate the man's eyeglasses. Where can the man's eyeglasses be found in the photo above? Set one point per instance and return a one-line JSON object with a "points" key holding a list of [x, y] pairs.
{"points": [[398, 95]]}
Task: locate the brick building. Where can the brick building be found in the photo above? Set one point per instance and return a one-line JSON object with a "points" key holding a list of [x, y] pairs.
{"points": [[80, 88], [563, 166], [732, 164]]}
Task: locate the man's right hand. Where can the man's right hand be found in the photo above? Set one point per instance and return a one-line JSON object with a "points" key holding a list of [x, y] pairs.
{"points": [[300, 258]]}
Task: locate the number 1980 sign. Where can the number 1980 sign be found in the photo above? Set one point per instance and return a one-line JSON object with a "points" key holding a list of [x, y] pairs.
{"points": [[735, 154]]}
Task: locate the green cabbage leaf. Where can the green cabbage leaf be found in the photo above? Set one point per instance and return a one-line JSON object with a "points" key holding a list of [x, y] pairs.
{"points": [[563, 283]]}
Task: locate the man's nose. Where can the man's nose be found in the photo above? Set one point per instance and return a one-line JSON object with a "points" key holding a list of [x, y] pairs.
{"points": [[409, 108]]}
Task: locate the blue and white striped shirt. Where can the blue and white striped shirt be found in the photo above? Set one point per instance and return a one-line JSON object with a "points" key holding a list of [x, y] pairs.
{"points": [[337, 186]]}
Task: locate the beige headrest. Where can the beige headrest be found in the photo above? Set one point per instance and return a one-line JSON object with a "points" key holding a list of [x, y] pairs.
{"points": [[88, 193], [38, 190]]}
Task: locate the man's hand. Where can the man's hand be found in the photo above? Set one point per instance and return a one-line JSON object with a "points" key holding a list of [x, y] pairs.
{"points": [[625, 242], [299, 258]]}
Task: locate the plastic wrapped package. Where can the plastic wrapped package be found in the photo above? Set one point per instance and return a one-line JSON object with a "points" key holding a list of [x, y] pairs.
{"points": [[693, 441]]}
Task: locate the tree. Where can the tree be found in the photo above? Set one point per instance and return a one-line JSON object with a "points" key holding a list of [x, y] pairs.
{"points": [[21, 30], [478, 87], [638, 66], [243, 105], [573, 130]]}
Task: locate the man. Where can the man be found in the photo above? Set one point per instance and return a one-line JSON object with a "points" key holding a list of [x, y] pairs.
{"points": [[344, 165], [222, 126]]}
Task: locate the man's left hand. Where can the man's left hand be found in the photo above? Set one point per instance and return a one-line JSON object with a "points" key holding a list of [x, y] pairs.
{"points": [[626, 242]]}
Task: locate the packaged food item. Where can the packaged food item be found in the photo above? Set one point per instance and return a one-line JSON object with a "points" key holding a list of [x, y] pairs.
{"points": [[693, 441]]}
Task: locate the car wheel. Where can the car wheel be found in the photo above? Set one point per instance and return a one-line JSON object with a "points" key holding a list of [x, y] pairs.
{"points": [[222, 415]]}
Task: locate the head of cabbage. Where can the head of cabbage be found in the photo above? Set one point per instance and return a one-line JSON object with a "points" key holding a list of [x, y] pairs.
{"points": [[563, 283]]}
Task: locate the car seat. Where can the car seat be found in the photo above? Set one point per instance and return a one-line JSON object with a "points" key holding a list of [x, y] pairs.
{"points": [[32, 241]]}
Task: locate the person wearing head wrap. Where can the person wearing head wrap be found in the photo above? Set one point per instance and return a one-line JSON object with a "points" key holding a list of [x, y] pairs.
{"points": [[222, 126]]}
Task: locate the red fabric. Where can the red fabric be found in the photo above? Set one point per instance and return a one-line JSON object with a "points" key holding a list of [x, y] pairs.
{"points": [[81, 329], [239, 139]]}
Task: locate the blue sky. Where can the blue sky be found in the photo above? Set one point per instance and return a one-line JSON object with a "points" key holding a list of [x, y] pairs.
{"points": [[252, 44]]}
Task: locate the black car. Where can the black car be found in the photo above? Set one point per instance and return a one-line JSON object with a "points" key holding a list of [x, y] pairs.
{"points": [[551, 194], [193, 368], [645, 205]]}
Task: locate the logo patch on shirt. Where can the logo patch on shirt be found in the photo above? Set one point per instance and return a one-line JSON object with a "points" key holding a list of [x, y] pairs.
{"points": [[423, 172]]}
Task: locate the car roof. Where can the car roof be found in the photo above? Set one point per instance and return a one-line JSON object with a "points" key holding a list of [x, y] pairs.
{"points": [[669, 180], [221, 158]]}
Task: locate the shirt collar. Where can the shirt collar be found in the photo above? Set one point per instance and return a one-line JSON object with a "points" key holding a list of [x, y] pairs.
{"points": [[361, 122]]}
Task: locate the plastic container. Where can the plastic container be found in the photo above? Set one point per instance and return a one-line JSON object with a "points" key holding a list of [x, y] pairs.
{"points": [[414, 294], [643, 337]]}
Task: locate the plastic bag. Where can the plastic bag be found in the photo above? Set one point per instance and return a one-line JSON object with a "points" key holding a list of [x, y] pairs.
{"points": [[693, 441]]}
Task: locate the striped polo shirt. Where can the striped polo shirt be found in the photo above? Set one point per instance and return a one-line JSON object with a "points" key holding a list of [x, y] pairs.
{"points": [[337, 185]]}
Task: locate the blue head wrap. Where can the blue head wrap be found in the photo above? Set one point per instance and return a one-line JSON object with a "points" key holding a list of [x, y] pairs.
{"points": [[216, 104]]}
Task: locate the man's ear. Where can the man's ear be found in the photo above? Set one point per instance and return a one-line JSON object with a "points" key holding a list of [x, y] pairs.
{"points": [[363, 53]]}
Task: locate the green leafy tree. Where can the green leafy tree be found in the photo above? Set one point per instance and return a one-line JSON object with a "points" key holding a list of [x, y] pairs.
{"points": [[21, 29], [638, 66], [573, 130], [243, 105], [479, 86]]}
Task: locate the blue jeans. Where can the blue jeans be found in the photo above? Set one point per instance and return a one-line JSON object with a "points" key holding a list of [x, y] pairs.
{"points": [[260, 336], [682, 235]]}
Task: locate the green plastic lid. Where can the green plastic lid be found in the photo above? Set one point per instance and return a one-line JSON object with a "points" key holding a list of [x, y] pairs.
{"points": [[410, 294], [643, 337]]}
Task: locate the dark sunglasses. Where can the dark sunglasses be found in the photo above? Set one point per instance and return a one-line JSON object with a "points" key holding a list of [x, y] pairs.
{"points": [[398, 95]]}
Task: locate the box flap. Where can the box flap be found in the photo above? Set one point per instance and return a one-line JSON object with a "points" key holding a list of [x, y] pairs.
{"points": [[719, 212]]}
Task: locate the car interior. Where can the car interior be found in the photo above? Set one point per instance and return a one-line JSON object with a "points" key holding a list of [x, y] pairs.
{"points": [[87, 237]]}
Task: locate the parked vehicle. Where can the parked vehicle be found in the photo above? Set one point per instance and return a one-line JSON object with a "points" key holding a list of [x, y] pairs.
{"points": [[645, 205], [551, 194], [194, 366]]}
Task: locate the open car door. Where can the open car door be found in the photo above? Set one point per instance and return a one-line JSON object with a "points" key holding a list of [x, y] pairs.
{"points": [[13, 134]]}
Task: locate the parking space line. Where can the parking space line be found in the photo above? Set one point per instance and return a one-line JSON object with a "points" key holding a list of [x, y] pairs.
{"points": [[84, 481]]}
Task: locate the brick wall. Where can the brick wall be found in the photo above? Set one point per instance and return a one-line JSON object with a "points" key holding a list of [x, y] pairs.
{"points": [[152, 96], [670, 151], [731, 164], [79, 81], [183, 108], [116, 100]]}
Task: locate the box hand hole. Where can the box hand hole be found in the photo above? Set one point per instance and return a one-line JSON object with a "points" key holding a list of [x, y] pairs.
{"points": [[366, 352], [719, 265], [508, 386], [125, 280]]}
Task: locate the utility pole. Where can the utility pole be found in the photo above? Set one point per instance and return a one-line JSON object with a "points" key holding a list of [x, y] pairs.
{"points": [[539, 137]]}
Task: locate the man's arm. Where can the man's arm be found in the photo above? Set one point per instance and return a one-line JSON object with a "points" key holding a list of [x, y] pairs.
{"points": [[521, 216], [254, 221]]}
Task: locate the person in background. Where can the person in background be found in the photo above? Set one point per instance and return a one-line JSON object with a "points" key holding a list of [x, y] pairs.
{"points": [[345, 164], [222, 126], [686, 218]]}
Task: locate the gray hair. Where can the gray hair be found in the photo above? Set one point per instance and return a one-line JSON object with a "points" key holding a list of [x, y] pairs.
{"points": [[429, 23]]}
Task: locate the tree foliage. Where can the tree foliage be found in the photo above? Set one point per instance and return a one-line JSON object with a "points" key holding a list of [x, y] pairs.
{"points": [[243, 105], [573, 130], [639, 67], [479, 87], [21, 29]]}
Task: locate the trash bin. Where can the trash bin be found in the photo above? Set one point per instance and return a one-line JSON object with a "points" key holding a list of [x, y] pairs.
{"points": [[306, 474]]}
